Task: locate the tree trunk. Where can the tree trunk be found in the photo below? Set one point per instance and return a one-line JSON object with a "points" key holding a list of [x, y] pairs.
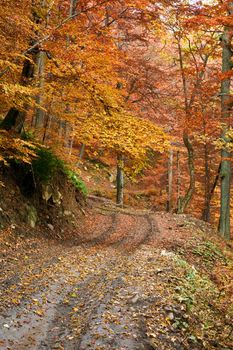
{"points": [[72, 10], [47, 127], [186, 199], [71, 145], [68, 139], [120, 180], [183, 203], [169, 181], [82, 150], [15, 118], [225, 176], [178, 182], [39, 117], [225, 173], [206, 211]]}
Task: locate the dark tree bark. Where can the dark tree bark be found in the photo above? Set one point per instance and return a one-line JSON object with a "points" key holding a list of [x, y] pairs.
{"points": [[170, 181], [15, 118], [120, 180], [209, 196], [184, 201]]}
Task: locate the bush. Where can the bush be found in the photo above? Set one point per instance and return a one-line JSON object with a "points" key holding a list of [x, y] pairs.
{"points": [[77, 182], [47, 164], [27, 136]]}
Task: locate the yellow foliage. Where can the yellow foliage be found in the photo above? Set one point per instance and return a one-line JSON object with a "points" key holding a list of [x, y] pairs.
{"points": [[123, 133], [15, 148], [226, 143]]}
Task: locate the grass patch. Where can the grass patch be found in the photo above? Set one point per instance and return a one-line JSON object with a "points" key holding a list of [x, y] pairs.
{"points": [[209, 252], [207, 319]]}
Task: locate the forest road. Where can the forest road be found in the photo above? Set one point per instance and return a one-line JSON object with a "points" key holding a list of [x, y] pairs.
{"points": [[107, 292]]}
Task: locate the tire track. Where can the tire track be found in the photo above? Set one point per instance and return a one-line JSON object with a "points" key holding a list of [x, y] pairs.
{"points": [[98, 310]]}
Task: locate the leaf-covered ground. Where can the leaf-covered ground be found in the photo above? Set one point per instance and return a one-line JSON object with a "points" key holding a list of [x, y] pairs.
{"points": [[128, 280]]}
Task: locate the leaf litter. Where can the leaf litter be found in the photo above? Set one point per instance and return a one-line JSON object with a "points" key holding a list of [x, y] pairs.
{"points": [[141, 285]]}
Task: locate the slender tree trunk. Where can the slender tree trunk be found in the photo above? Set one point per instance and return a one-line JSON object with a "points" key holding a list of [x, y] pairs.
{"points": [[206, 211], [120, 180], [215, 182], [67, 134], [186, 139], [39, 117], [188, 196], [71, 145], [178, 182], [225, 173], [64, 126], [82, 150], [40, 58], [48, 122], [189, 100], [72, 11], [47, 127], [170, 181]]}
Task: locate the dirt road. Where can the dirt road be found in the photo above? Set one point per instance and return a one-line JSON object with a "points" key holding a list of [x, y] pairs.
{"points": [[112, 290]]}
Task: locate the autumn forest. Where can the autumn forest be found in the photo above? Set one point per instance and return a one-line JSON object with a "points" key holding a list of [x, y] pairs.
{"points": [[116, 140], [148, 83]]}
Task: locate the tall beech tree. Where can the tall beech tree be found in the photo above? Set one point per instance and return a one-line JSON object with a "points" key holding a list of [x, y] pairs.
{"points": [[219, 16], [226, 110]]}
